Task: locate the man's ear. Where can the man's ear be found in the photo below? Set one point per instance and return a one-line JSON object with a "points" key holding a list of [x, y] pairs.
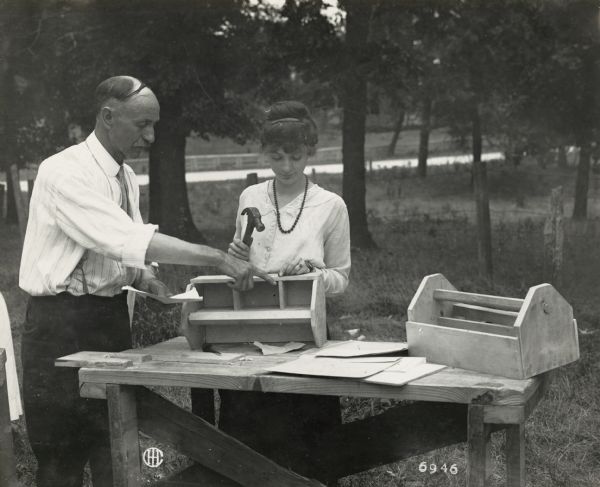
{"points": [[107, 116]]}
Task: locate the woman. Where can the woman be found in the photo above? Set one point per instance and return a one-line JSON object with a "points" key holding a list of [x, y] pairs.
{"points": [[306, 229]]}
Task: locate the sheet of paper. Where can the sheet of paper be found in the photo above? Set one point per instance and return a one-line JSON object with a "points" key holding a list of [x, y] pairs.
{"points": [[355, 348], [277, 349], [402, 377], [191, 295], [331, 367]]}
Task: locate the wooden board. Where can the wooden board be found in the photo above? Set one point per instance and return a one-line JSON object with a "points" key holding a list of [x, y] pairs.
{"points": [[300, 332], [487, 300], [482, 313], [449, 385], [548, 332], [423, 308], [250, 316], [101, 359], [221, 279], [198, 439], [463, 349], [493, 328], [124, 438], [318, 315]]}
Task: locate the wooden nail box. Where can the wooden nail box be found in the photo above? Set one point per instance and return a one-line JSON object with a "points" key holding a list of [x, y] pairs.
{"points": [[293, 310], [515, 338]]}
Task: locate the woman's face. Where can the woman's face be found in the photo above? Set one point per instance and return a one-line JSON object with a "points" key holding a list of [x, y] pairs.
{"points": [[288, 164]]}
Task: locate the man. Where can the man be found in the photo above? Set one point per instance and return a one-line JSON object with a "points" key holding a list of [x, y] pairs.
{"points": [[85, 240]]}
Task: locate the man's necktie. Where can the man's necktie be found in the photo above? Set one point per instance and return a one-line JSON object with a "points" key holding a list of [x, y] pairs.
{"points": [[124, 192]]}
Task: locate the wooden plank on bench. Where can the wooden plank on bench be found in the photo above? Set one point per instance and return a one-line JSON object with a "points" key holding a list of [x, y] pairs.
{"points": [[102, 359]]}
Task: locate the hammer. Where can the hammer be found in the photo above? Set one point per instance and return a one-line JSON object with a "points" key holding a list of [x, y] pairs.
{"points": [[254, 221]]}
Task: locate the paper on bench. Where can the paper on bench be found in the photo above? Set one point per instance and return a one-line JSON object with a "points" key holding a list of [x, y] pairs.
{"points": [[277, 349], [403, 373], [188, 296], [355, 348], [332, 367]]}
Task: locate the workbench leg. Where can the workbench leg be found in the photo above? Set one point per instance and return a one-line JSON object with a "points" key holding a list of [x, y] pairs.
{"points": [[124, 439], [478, 447], [515, 455]]}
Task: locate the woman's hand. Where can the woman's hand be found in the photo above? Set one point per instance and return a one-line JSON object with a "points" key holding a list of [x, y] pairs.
{"points": [[239, 250], [295, 267]]}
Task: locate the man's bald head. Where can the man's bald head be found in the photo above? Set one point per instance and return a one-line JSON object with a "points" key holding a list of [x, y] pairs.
{"points": [[117, 88], [126, 112]]}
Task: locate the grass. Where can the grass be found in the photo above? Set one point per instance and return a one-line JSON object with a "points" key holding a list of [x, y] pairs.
{"points": [[422, 227]]}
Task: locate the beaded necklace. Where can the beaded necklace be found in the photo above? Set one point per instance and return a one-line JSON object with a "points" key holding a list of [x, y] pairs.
{"points": [[277, 206]]}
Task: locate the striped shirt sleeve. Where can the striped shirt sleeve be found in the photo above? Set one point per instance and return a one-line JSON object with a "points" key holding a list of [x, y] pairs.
{"points": [[97, 223]]}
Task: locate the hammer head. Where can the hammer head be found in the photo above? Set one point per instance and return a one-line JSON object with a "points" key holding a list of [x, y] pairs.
{"points": [[254, 221]]}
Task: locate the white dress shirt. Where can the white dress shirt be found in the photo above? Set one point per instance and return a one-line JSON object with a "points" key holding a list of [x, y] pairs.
{"points": [[322, 234], [75, 214]]}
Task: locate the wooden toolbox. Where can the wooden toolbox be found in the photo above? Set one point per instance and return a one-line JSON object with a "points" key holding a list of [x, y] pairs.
{"points": [[293, 310], [515, 338]]}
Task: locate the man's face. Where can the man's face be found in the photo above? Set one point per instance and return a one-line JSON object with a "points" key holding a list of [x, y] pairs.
{"points": [[132, 130]]}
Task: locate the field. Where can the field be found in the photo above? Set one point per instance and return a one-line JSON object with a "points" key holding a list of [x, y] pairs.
{"points": [[422, 227]]}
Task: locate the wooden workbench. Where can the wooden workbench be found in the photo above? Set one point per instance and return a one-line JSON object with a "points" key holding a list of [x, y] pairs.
{"points": [[483, 402]]}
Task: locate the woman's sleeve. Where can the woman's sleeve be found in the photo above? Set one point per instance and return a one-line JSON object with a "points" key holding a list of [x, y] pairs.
{"points": [[238, 218], [337, 250]]}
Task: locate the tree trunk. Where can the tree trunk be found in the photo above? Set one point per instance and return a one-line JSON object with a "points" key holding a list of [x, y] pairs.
{"points": [[354, 99], [587, 119], [424, 137], [397, 130], [169, 206], [482, 201], [562, 157], [582, 182]]}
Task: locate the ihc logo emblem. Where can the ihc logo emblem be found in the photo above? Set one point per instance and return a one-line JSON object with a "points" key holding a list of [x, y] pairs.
{"points": [[153, 457]]}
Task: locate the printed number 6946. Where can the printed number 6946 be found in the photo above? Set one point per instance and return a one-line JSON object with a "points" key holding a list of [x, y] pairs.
{"points": [[433, 468]]}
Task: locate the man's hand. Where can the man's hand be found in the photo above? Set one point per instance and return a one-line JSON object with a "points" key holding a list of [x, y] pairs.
{"points": [[154, 286], [239, 250], [243, 272], [295, 267]]}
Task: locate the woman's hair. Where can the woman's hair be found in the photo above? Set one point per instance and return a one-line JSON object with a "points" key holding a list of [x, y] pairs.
{"points": [[288, 124]]}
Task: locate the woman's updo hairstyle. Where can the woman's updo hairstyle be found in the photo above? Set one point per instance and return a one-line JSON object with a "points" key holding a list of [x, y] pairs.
{"points": [[288, 124]]}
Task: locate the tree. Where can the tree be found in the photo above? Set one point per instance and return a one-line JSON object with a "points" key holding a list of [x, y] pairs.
{"points": [[25, 124], [354, 101], [182, 50]]}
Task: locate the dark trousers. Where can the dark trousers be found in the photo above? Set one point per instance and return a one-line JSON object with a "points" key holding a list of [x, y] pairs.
{"points": [[287, 428], [64, 429]]}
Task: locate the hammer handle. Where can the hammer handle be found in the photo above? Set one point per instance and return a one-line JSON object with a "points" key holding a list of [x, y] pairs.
{"points": [[248, 236]]}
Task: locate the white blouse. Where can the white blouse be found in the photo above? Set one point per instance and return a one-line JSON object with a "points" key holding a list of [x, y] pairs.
{"points": [[322, 234]]}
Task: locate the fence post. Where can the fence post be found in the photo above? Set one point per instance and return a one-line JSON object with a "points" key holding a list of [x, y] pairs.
{"points": [[20, 204], [2, 202], [314, 175], [554, 238], [251, 178]]}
